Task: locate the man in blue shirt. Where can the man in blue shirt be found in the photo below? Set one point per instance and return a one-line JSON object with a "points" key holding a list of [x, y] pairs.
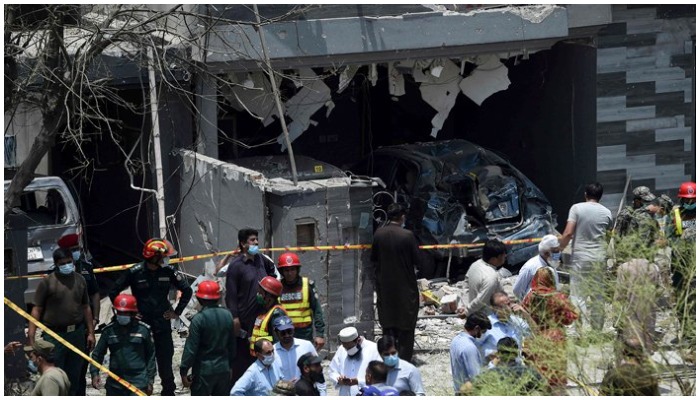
{"points": [[549, 255], [508, 319], [465, 357], [262, 375], [289, 349], [402, 374]]}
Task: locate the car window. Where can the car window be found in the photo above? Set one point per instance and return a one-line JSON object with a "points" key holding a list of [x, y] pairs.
{"points": [[42, 207]]}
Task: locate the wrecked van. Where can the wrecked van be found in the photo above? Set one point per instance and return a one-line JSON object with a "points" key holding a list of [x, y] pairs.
{"points": [[49, 211], [457, 192]]}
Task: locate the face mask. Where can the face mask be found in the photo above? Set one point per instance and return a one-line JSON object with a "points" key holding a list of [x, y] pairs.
{"points": [[66, 269], [317, 376], [268, 360], [391, 360], [253, 250], [354, 351], [31, 366], [165, 262], [260, 299], [689, 207], [76, 255], [556, 256], [123, 320]]}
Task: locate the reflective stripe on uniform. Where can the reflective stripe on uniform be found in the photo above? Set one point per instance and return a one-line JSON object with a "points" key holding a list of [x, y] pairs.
{"points": [[677, 220], [261, 328], [298, 305]]}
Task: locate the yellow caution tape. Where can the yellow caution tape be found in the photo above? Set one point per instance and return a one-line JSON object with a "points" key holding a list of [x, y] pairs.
{"points": [[53, 334], [344, 247]]}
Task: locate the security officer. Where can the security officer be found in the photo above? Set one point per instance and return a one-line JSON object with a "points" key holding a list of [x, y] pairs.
{"points": [[632, 217], [300, 300], [61, 303], [71, 242], [269, 290], [150, 282], [210, 347], [131, 350]]}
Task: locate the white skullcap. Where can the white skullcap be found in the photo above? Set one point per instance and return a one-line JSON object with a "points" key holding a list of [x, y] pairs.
{"points": [[548, 243], [348, 334]]}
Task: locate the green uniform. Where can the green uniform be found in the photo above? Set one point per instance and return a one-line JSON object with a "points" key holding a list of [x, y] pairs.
{"points": [[131, 356], [210, 350], [151, 289], [84, 268]]}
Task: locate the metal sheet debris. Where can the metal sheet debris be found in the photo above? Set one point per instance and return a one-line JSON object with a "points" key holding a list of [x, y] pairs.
{"points": [[441, 92], [489, 77]]}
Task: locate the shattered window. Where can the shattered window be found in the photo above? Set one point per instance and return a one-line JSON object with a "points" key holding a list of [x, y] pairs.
{"points": [[42, 207]]}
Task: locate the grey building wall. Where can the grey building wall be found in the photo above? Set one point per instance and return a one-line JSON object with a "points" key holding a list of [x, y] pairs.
{"points": [[645, 105]]}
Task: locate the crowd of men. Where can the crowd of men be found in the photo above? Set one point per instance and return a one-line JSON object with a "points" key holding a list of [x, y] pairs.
{"points": [[261, 333]]}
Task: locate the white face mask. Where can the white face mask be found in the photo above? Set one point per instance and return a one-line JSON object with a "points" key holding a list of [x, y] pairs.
{"points": [[268, 360], [354, 350]]}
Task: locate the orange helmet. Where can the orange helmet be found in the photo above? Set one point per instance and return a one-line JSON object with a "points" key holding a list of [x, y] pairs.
{"points": [[288, 260], [158, 247], [208, 290], [126, 303], [687, 190], [271, 285]]}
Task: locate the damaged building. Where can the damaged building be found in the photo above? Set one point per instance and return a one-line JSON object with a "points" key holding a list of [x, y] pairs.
{"points": [[566, 94]]}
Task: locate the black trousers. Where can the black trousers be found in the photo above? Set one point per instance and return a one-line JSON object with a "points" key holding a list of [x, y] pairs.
{"points": [[404, 341], [242, 361], [163, 343]]}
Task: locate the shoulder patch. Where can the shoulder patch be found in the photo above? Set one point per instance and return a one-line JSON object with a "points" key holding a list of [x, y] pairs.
{"points": [[136, 267], [178, 276]]}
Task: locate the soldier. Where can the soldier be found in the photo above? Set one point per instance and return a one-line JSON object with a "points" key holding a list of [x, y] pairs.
{"points": [[635, 216], [300, 300], [71, 243], [210, 347], [269, 290], [150, 282], [132, 354]]}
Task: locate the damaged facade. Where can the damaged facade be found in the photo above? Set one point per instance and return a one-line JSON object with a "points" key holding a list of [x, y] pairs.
{"points": [[546, 86]]}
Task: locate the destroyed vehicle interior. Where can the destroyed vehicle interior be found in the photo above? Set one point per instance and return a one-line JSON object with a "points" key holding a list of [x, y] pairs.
{"points": [[457, 192]]}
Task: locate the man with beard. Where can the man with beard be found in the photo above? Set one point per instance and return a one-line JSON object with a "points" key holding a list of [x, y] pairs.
{"points": [[289, 349], [312, 382], [348, 367], [549, 256]]}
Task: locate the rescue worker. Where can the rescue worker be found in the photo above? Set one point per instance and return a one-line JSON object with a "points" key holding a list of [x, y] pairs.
{"points": [[61, 303], [684, 214], [269, 290], [300, 300], [150, 282], [71, 242], [132, 355], [210, 347]]}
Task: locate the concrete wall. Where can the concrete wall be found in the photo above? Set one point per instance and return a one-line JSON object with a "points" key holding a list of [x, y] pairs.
{"points": [[646, 100]]}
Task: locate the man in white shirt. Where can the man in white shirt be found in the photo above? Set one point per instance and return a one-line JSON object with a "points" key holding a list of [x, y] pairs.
{"points": [[549, 256], [482, 278], [289, 349], [348, 367], [586, 226]]}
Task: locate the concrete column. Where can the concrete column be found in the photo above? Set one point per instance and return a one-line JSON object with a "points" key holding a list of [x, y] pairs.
{"points": [[207, 126]]}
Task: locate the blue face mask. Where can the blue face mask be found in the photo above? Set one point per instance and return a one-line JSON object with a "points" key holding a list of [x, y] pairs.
{"points": [[123, 320], [689, 207], [31, 366], [165, 262], [391, 360], [66, 269], [556, 256], [76, 255], [253, 250]]}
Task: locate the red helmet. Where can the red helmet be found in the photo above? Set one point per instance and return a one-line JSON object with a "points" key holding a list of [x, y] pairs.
{"points": [[208, 290], [157, 246], [126, 303], [271, 285], [288, 260], [687, 190]]}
